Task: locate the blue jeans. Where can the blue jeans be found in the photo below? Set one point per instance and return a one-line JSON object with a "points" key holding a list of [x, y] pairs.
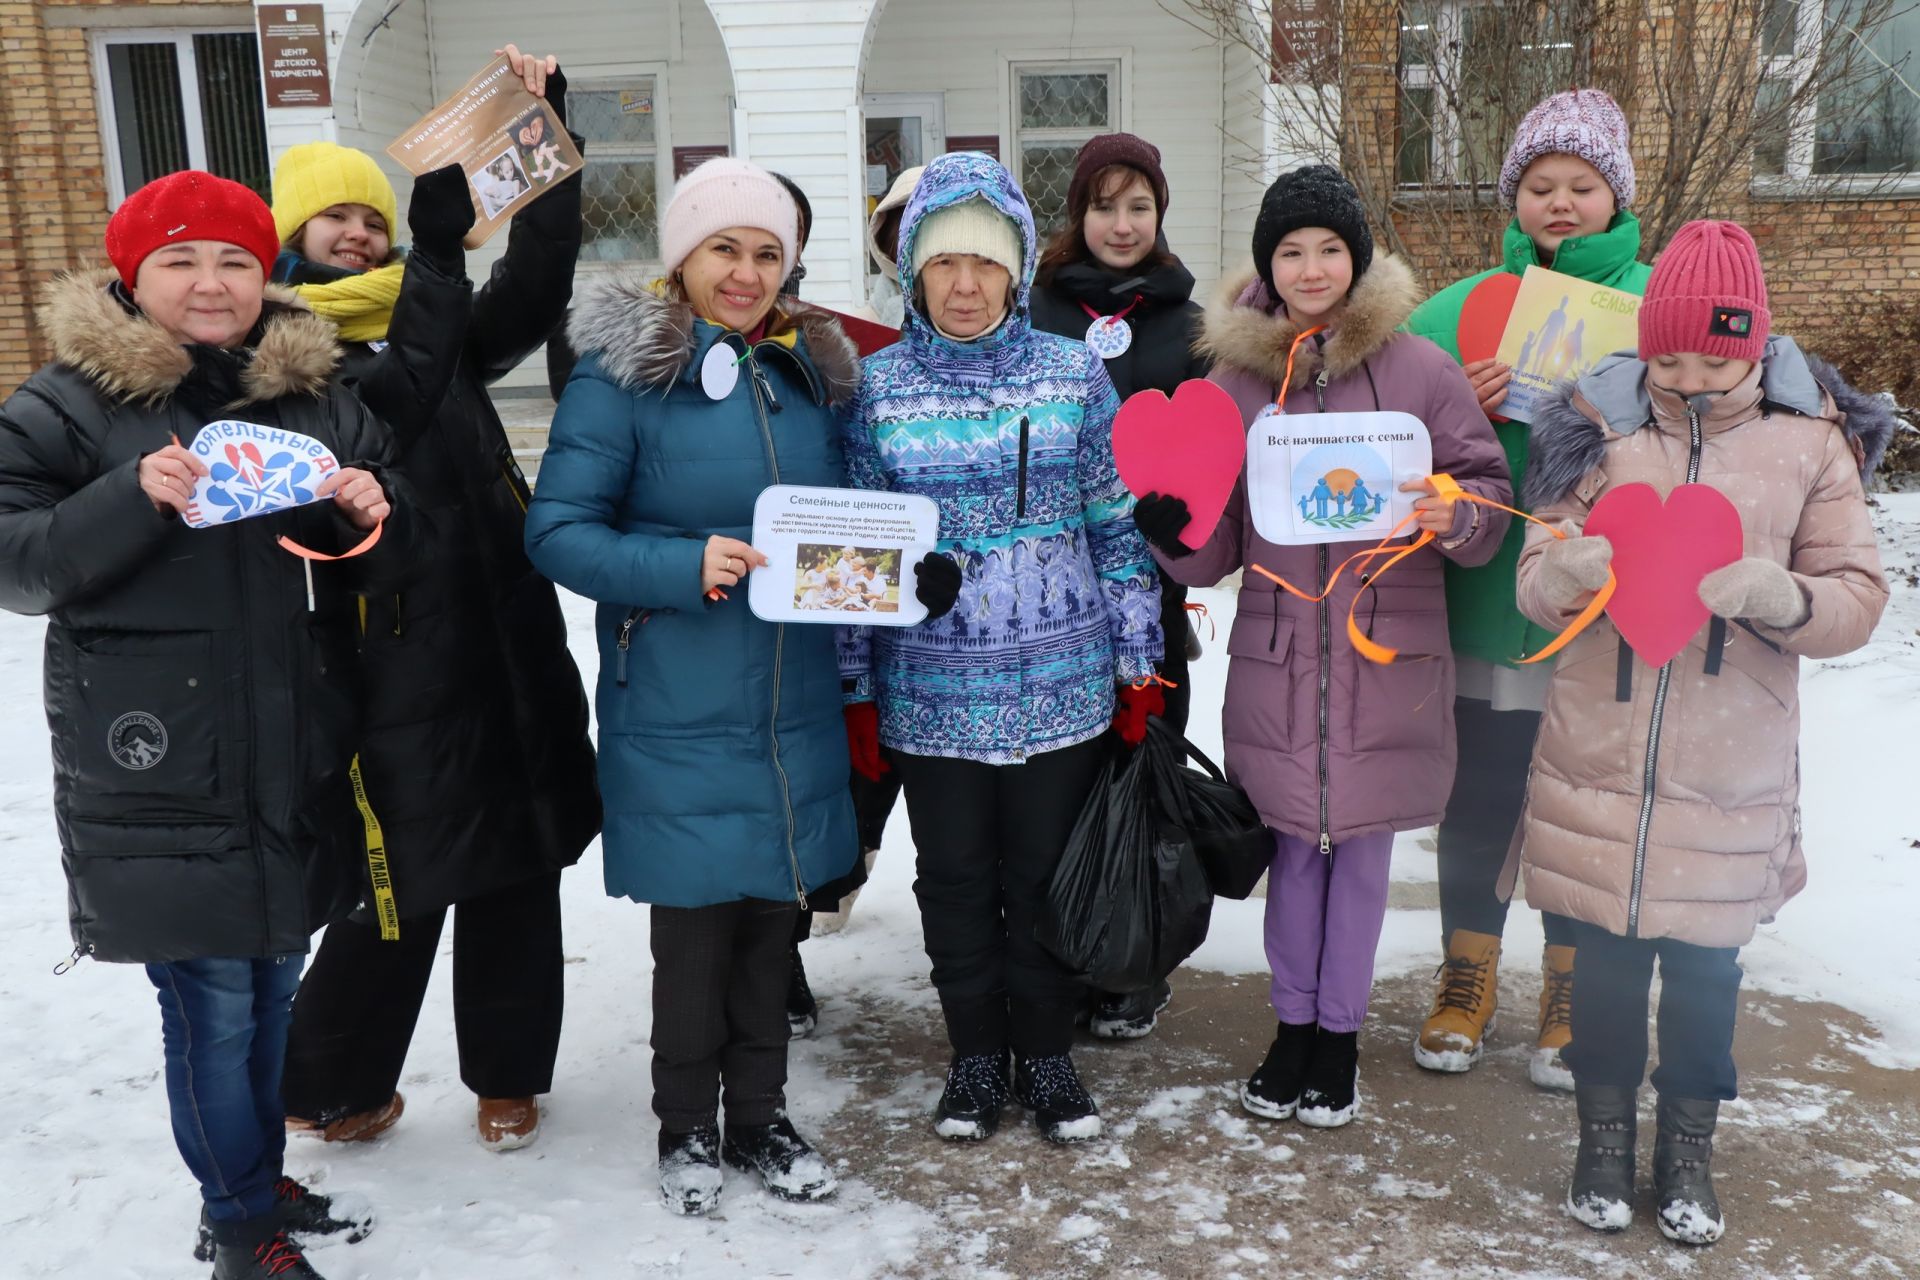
{"points": [[224, 1027]]}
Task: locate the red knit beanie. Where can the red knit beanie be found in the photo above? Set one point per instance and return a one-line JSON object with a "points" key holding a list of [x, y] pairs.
{"points": [[1708, 294], [189, 205], [1134, 152]]}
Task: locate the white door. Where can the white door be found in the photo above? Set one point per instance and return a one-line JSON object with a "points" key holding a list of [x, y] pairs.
{"points": [[903, 130]]}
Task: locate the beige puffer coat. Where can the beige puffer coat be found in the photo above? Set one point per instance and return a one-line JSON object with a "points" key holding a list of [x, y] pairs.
{"points": [[1674, 811]]}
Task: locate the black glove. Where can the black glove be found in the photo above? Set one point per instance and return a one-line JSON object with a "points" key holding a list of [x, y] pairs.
{"points": [[1160, 520], [440, 215], [936, 584], [557, 93]]}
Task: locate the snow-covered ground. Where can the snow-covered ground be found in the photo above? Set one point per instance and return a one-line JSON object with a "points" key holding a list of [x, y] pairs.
{"points": [[90, 1183]]}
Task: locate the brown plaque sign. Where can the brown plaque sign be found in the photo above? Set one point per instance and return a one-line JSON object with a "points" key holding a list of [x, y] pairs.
{"points": [[293, 55]]}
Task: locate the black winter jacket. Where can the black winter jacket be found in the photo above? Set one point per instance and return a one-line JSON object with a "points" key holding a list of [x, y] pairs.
{"points": [[477, 759], [203, 718]]}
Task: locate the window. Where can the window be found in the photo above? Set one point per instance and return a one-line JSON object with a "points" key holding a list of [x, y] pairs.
{"points": [[620, 197], [1468, 73], [181, 100], [1057, 107], [1864, 119]]}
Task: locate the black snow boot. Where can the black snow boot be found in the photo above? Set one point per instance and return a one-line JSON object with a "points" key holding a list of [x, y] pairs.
{"points": [[969, 1109], [787, 1166], [1683, 1170], [1273, 1091], [1331, 1096], [1051, 1089], [304, 1215], [1601, 1193], [1129, 1016], [258, 1249], [803, 1011], [690, 1171]]}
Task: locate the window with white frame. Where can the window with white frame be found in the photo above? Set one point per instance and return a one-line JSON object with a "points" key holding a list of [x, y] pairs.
{"points": [[1057, 107], [620, 196], [1459, 63], [172, 100], [1864, 120]]}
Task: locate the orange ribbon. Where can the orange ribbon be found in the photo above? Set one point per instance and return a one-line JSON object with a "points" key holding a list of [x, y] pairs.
{"points": [[308, 553], [1148, 681], [1444, 486]]}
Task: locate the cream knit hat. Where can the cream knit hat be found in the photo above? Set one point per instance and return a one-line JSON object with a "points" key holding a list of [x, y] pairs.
{"points": [[723, 193], [972, 226]]}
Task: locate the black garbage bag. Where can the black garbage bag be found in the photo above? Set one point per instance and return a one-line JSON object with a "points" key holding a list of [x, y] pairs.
{"points": [[1234, 846], [1129, 900]]}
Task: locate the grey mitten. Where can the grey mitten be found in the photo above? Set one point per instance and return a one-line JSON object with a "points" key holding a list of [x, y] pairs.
{"points": [[1574, 568], [1758, 590]]}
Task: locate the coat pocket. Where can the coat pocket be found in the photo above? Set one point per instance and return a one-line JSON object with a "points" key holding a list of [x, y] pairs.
{"points": [[1259, 699], [1737, 737], [1406, 704]]}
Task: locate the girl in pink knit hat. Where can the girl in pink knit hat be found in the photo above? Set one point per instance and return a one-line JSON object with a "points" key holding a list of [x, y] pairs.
{"points": [[1662, 813]]}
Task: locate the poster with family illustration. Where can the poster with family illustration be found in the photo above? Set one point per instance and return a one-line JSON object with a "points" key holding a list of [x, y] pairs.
{"points": [[1558, 329], [840, 556], [1333, 477]]}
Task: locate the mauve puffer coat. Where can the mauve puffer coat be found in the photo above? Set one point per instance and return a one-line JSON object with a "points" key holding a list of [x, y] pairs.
{"points": [[1329, 744], [1720, 850]]}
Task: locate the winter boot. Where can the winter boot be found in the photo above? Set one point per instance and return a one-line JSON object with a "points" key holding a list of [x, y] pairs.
{"points": [[1601, 1193], [1683, 1170], [1129, 1016], [507, 1124], [787, 1166], [803, 1011], [363, 1126], [690, 1171], [1556, 1020], [304, 1215], [1051, 1089], [1273, 1091], [969, 1109], [1455, 1033], [1331, 1097], [258, 1249]]}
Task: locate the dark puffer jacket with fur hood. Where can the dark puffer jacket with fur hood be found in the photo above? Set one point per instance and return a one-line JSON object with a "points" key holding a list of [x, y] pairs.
{"points": [[203, 714]]}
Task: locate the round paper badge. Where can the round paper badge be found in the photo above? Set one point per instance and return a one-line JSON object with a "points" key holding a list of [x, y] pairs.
{"points": [[719, 372], [1109, 336]]}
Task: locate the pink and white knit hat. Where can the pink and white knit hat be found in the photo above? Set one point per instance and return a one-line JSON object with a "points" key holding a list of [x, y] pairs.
{"points": [[723, 193], [1580, 122], [1708, 293]]}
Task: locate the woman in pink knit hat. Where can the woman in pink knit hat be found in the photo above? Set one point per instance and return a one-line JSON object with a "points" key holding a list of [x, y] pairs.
{"points": [[1662, 813]]}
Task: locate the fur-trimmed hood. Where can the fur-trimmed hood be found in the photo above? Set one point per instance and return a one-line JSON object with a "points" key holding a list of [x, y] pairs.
{"points": [[646, 338], [131, 358], [1245, 326], [1570, 434]]}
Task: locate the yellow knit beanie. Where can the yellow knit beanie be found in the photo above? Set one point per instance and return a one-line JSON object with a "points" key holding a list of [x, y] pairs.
{"points": [[318, 175]]}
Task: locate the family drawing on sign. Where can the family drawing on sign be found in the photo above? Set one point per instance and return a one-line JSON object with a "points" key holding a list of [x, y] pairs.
{"points": [[846, 578], [1333, 492], [1552, 351]]}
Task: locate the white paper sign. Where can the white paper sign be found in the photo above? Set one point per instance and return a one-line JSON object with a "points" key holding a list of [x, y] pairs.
{"points": [[1333, 477], [254, 470], [840, 556]]}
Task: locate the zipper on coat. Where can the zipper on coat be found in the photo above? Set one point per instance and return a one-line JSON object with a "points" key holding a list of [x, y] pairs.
{"points": [[1020, 493], [1648, 777], [623, 643], [1325, 612], [762, 384]]}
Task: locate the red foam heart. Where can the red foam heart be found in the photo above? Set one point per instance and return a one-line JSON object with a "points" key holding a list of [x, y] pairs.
{"points": [[1660, 554], [1483, 316], [1192, 447]]}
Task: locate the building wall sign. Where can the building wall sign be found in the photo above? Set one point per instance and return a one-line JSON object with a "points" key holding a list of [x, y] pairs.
{"points": [[293, 55]]}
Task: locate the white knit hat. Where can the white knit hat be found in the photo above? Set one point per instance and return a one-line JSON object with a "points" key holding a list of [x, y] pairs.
{"points": [[972, 226], [723, 193]]}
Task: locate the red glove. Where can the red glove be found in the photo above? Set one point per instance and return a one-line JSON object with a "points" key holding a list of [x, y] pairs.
{"points": [[1131, 712], [863, 740]]}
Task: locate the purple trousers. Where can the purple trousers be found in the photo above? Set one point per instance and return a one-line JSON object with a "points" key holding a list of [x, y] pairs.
{"points": [[1323, 924]]}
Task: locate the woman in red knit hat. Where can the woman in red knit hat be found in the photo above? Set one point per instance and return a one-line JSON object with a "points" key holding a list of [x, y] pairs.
{"points": [[202, 681], [1663, 812]]}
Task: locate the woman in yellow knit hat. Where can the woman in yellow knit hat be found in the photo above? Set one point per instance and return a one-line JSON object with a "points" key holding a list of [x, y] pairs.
{"points": [[477, 768]]}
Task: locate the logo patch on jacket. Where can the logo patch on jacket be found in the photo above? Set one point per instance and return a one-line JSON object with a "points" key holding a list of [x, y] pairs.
{"points": [[1731, 322], [137, 741]]}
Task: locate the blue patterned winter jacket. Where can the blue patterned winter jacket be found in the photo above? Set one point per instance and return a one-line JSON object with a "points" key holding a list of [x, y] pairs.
{"points": [[1012, 436]]}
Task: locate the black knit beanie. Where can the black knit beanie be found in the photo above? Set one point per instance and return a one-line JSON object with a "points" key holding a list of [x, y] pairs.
{"points": [[1317, 195]]}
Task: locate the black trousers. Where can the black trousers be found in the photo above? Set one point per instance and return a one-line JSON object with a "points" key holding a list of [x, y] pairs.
{"points": [[1699, 997], [988, 838], [360, 998], [1173, 665], [720, 978], [1489, 790]]}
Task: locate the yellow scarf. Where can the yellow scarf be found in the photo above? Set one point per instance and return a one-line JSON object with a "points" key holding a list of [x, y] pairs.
{"points": [[361, 306]]}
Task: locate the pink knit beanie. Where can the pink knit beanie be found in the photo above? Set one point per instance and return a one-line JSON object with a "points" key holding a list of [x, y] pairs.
{"points": [[1708, 294], [723, 193], [1580, 122]]}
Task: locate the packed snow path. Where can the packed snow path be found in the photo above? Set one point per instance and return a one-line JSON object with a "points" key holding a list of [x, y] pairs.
{"points": [[1819, 1164]]}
